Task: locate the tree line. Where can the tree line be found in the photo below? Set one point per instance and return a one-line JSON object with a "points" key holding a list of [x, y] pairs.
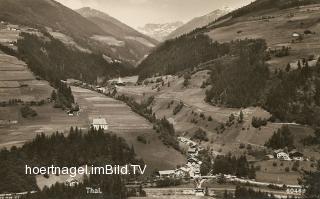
{"points": [[281, 139], [180, 54], [240, 80], [162, 126], [229, 165], [76, 149]]}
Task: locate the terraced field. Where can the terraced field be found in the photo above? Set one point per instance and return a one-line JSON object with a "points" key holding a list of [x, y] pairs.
{"points": [[18, 82], [119, 116]]}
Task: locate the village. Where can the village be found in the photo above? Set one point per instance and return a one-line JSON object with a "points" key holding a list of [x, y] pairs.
{"points": [[191, 169]]}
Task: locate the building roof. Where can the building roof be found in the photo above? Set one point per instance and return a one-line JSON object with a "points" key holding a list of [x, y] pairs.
{"points": [[183, 169], [166, 172], [192, 150], [278, 151], [99, 121], [282, 153]]}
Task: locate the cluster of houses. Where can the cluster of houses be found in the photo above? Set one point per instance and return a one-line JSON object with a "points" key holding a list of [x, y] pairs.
{"points": [[281, 154], [192, 167]]}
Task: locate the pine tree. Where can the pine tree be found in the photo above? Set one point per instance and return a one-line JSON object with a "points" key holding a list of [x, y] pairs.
{"points": [[241, 117], [299, 65], [53, 95], [288, 67]]}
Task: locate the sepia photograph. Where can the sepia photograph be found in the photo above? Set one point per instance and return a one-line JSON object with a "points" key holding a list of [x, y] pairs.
{"points": [[159, 99]]}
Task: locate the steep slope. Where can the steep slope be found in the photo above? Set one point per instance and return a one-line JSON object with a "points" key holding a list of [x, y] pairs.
{"points": [[160, 31], [198, 22], [72, 28], [276, 21], [282, 75], [118, 35], [54, 32], [47, 13]]}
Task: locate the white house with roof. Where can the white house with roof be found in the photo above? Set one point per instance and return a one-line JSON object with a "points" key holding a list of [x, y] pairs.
{"points": [[71, 182], [283, 156], [100, 123], [182, 172]]}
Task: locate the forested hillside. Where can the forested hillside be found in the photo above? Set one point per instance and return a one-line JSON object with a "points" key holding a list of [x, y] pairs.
{"points": [[240, 83], [41, 14], [179, 54], [242, 73], [50, 59], [295, 95], [97, 148]]}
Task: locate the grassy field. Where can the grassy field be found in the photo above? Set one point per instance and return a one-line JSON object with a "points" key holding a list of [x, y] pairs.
{"points": [[49, 120], [18, 82], [127, 124], [274, 171]]}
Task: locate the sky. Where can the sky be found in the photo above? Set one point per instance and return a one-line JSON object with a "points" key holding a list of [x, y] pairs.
{"points": [[137, 13]]}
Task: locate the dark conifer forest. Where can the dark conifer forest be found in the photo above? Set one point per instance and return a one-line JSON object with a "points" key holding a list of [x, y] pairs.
{"points": [[50, 59], [76, 149]]}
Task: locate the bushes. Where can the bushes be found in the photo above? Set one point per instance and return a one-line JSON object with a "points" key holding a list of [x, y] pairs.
{"points": [[312, 140], [295, 166], [178, 108], [186, 81], [200, 135], [258, 122], [142, 139], [27, 112], [167, 182]]}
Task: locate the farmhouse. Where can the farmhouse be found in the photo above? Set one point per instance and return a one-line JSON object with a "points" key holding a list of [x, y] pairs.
{"points": [[71, 182], [101, 89], [182, 171], [100, 123], [283, 156], [187, 141], [120, 82], [192, 151], [295, 155]]}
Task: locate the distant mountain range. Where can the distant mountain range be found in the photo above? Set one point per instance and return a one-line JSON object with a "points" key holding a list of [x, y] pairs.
{"points": [[160, 31], [198, 22], [127, 41]]}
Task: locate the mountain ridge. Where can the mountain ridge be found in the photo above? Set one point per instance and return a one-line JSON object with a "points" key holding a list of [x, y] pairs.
{"points": [[198, 22], [120, 36]]}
